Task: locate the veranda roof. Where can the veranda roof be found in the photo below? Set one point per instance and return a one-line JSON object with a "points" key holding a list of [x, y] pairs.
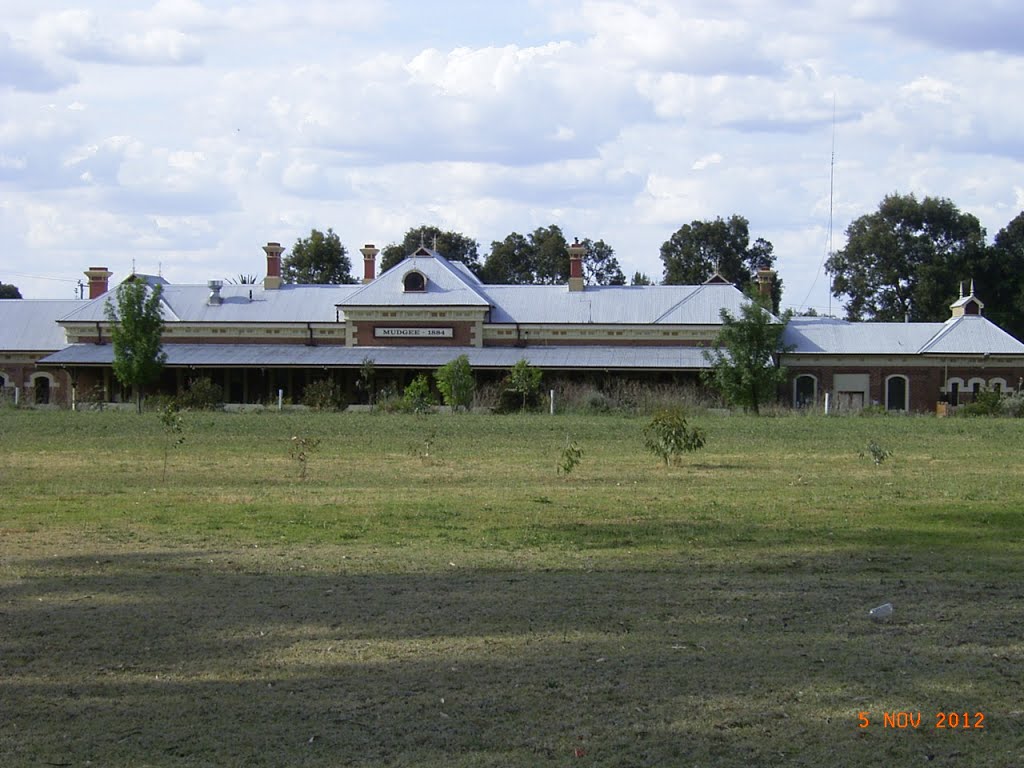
{"points": [[296, 356]]}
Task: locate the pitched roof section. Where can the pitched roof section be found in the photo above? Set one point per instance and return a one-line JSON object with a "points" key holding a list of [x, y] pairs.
{"points": [[640, 305], [972, 335], [447, 285], [967, 335], [190, 304], [30, 325]]}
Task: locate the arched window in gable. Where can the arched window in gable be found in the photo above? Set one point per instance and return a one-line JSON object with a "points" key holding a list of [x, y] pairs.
{"points": [[414, 282]]}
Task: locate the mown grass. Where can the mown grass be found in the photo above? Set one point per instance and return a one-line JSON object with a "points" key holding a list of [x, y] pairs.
{"points": [[435, 593]]}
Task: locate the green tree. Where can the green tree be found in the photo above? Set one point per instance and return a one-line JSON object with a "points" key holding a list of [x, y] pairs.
{"points": [[136, 325], [318, 259], [510, 261], [697, 250], [906, 259], [540, 258], [669, 436], [8, 291], [600, 267], [454, 246], [456, 383], [524, 379], [1000, 280], [744, 365], [640, 278]]}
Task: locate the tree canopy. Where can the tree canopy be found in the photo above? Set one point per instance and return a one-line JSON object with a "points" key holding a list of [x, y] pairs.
{"points": [[600, 267], [454, 246], [907, 259], [540, 258], [1000, 278], [318, 259], [698, 249], [8, 291], [135, 329], [744, 367]]}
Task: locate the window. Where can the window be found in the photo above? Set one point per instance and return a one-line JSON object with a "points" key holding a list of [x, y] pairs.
{"points": [[897, 393], [414, 282], [997, 385], [3, 381]]}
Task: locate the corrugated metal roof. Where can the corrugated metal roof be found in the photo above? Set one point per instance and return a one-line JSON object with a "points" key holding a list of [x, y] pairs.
{"points": [[651, 304], [190, 304], [830, 336], [284, 355], [972, 334], [30, 325], [967, 335]]}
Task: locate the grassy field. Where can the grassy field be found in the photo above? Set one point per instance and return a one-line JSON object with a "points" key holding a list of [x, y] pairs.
{"points": [[434, 593]]}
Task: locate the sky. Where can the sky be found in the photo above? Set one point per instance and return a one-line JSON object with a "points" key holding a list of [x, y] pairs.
{"points": [[180, 136]]}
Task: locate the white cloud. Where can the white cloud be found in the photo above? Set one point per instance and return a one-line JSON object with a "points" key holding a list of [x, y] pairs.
{"points": [[616, 119]]}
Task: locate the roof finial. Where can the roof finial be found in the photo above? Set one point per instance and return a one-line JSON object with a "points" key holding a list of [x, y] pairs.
{"points": [[961, 289], [972, 286], [435, 243]]}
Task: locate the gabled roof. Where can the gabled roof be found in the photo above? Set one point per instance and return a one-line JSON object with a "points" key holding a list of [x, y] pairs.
{"points": [[447, 285], [30, 325], [967, 335]]}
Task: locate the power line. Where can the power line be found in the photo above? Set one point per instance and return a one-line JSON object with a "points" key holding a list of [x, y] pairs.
{"points": [[43, 277]]}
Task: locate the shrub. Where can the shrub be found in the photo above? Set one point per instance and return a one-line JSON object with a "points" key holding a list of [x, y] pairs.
{"points": [[986, 403], [876, 453], [570, 457], [418, 398], [668, 436], [456, 383], [202, 395], [524, 379], [1013, 405], [323, 395]]}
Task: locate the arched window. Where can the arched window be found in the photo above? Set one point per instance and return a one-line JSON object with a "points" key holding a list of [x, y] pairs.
{"points": [[997, 385], [805, 391], [3, 379], [897, 393], [414, 282], [976, 384]]}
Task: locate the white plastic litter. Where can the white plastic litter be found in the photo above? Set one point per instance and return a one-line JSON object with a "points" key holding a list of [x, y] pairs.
{"points": [[881, 612]]}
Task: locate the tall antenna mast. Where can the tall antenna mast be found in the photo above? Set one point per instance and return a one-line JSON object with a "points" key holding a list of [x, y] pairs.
{"points": [[831, 193]]}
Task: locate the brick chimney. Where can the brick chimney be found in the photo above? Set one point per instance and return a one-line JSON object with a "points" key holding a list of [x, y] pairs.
{"points": [[576, 251], [369, 252], [99, 278], [273, 279]]}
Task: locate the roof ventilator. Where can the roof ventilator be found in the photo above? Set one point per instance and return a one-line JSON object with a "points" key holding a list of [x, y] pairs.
{"points": [[215, 299]]}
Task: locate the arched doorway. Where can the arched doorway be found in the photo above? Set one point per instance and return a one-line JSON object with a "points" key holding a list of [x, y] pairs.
{"points": [[805, 391], [897, 393], [41, 390]]}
